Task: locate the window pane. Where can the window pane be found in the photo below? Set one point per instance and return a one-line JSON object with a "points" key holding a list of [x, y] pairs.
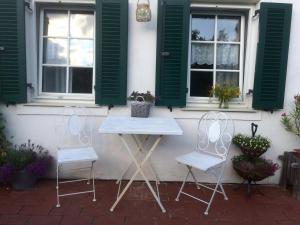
{"points": [[227, 78], [56, 23], [229, 28], [81, 80], [228, 56], [202, 56], [54, 79], [55, 51], [82, 24], [203, 28], [82, 52], [201, 83]]}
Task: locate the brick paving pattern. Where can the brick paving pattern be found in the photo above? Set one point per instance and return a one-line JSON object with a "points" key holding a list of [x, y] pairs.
{"points": [[37, 206]]}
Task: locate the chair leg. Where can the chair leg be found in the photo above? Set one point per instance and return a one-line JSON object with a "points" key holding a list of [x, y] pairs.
{"points": [[182, 186], [223, 191], [90, 175], [93, 172], [194, 177], [57, 185], [214, 192]]}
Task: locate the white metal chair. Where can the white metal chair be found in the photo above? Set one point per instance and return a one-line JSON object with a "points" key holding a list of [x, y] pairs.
{"points": [[215, 132], [75, 147]]}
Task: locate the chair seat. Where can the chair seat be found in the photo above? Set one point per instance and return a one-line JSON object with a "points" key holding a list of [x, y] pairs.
{"points": [[76, 154], [200, 160]]}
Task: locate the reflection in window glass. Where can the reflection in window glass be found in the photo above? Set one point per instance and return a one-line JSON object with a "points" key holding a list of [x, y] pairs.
{"points": [[228, 56], [202, 56], [82, 24], [203, 28], [67, 52], [229, 28], [81, 80], [55, 51], [200, 83], [56, 23], [81, 52], [231, 78], [54, 79]]}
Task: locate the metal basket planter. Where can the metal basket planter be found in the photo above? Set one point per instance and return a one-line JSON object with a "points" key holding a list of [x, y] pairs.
{"points": [[254, 153], [140, 109]]}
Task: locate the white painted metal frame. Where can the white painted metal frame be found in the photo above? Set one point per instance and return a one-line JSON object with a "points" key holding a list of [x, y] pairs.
{"points": [[67, 66], [215, 132], [77, 127], [139, 170], [136, 129]]}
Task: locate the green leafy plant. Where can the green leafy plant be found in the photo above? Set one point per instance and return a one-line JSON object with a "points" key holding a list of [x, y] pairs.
{"points": [[291, 121], [148, 97], [224, 93], [5, 144], [251, 146]]}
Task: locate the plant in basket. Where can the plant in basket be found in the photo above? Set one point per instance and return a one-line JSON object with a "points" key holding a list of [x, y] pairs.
{"points": [[251, 146], [250, 166], [141, 103]]}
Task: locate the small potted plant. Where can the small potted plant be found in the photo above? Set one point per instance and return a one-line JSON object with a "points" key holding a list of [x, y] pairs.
{"points": [[251, 146], [141, 103], [29, 162], [224, 93]]}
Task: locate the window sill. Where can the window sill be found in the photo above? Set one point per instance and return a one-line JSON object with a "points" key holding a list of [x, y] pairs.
{"points": [[56, 107], [230, 109]]}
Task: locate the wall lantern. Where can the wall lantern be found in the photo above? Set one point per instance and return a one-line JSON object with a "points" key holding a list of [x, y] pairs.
{"points": [[143, 11]]}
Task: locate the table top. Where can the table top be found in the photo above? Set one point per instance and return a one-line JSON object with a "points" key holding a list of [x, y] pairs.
{"points": [[136, 125]]}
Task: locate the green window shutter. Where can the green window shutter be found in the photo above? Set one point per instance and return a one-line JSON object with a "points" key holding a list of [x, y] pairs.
{"points": [[12, 52], [272, 55], [172, 52], [111, 52]]}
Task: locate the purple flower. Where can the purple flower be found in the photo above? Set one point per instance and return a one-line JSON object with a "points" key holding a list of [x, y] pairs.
{"points": [[39, 167], [6, 173]]}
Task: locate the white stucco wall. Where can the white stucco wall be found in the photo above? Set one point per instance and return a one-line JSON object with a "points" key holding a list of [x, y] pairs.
{"points": [[37, 122]]}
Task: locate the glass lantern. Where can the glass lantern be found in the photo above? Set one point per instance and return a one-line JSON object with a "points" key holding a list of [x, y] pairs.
{"points": [[143, 11]]}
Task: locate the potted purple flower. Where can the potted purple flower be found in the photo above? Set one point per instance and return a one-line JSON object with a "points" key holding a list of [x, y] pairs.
{"points": [[29, 162]]}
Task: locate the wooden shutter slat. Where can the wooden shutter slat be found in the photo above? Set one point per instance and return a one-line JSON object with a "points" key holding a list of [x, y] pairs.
{"points": [[272, 55], [172, 37], [111, 52], [13, 58]]}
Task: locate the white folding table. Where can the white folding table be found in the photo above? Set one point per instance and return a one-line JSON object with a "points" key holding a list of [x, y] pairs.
{"points": [[137, 127]]}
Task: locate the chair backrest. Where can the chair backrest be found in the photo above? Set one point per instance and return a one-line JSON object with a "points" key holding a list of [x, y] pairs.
{"points": [[215, 132], [76, 131]]}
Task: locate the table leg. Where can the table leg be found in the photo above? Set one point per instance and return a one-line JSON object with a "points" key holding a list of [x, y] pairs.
{"points": [[139, 170], [140, 145]]}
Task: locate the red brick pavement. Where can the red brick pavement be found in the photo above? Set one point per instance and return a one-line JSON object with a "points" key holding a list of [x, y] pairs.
{"points": [[37, 207]]}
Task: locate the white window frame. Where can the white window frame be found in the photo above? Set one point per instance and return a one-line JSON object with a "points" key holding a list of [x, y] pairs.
{"points": [[70, 96], [245, 100]]}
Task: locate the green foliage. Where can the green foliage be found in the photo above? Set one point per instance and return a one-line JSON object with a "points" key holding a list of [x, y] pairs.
{"points": [[256, 143], [291, 121], [148, 97], [224, 92], [4, 143]]}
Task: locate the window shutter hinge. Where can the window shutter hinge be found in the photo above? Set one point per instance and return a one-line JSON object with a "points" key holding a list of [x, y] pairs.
{"points": [[256, 13], [170, 108], [110, 106], [187, 90]]}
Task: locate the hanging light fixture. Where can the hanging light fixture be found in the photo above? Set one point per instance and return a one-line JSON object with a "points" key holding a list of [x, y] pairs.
{"points": [[143, 11]]}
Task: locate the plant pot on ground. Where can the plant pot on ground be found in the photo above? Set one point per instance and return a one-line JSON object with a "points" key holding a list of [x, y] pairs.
{"points": [[27, 163]]}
